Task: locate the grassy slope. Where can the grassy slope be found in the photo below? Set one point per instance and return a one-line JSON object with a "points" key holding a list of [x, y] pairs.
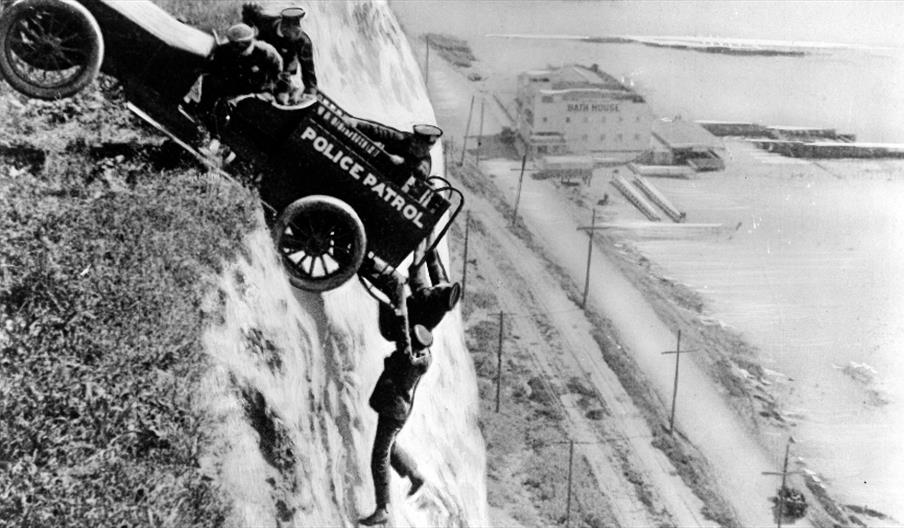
{"points": [[105, 261]]}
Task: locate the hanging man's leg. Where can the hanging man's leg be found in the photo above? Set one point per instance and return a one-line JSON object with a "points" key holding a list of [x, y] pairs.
{"points": [[380, 461], [405, 466]]}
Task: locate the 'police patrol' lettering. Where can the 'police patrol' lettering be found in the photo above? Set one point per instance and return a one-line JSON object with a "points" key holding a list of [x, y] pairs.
{"points": [[356, 171]]}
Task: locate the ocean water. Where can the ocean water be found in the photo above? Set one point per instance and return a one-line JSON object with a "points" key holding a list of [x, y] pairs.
{"points": [[812, 277], [813, 274], [857, 91]]}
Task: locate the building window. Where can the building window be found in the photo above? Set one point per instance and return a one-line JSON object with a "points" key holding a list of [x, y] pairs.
{"points": [[546, 99], [544, 119], [541, 149], [568, 120]]}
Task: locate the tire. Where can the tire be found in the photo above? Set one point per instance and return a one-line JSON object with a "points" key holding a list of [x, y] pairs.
{"points": [[50, 49], [321, 242]]}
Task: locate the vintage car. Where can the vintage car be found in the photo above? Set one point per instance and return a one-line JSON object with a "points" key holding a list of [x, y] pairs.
{"points": [[336, 199]]}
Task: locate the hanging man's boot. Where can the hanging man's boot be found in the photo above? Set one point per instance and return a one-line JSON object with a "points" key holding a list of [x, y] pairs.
{"points": [[379, 516], [417, 482]]}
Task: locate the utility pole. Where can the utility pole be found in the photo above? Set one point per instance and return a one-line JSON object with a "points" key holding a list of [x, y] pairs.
{"points": [[568, 501], [464, 140], [483, 101], [589, 253], [499, 360], [781, 490], [518, 196], [464, 264], [677, 353], [427, 62]]}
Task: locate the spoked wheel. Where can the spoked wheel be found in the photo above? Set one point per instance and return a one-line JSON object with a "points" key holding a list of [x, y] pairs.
{"points": [[321, 241], [50, 49]]}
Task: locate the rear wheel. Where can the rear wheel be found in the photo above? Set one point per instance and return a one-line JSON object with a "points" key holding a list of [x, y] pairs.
{"points": [[321, 242], [50, 49]]}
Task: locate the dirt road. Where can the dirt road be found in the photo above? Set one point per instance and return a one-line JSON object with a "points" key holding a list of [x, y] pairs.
{"points": [[560, 338]]}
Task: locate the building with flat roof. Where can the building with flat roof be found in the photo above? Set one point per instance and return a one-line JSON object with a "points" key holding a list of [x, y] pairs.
{"points": [[582, 111], [680, 142]]}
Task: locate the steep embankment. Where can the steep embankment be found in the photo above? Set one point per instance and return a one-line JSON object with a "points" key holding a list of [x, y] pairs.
{"points": [[157, 369], [304, 365]]}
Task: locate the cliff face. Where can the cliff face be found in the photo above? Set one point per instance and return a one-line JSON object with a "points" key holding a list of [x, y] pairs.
{"points": [[292, 371]]}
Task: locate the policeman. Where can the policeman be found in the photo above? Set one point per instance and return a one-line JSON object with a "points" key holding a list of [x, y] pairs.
{"points": [[243, 65], [409, 150], [392, 398], [294, 46]]}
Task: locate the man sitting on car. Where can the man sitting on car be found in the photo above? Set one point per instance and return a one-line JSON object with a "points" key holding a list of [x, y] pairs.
{"points": [[409, 150], [294, 46], [243, 65]]}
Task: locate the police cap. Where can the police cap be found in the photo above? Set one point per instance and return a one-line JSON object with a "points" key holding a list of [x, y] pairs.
{"points": [[240, 33], [292, 15], [431, 132]]}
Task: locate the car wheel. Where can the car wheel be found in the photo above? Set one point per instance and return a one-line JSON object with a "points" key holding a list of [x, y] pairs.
{"points": [[321, 242], [50, 49]]}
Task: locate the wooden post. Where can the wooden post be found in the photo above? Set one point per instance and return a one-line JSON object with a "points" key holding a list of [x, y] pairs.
{"points": [[499, 360], [464, 264], [518, 195], [568, 500], [781, 490], [677, 353], [464, 141], [427, 62], [589, 253], [480, 132]]}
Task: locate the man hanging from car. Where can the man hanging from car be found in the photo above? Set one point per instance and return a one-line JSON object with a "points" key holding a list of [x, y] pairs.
{"points": [[392, 399]]}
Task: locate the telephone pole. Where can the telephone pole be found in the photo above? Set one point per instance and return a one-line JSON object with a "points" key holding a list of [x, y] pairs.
{"points": [[589, 254], [677, 353]]}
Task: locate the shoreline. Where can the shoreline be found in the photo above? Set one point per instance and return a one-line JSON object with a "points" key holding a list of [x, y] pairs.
{"points": [[733, 364]]}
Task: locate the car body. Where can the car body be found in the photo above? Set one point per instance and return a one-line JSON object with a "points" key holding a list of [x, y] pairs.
{"points": [[336, 196]]}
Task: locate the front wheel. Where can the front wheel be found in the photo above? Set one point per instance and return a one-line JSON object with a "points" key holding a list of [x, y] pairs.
{"points": [[321, 242], [50, 49]]}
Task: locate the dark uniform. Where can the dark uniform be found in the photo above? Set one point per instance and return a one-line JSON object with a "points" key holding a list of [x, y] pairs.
{"points": [[232, 73], [241, 74], [393, 398], [398, 142], [297, 52]]}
